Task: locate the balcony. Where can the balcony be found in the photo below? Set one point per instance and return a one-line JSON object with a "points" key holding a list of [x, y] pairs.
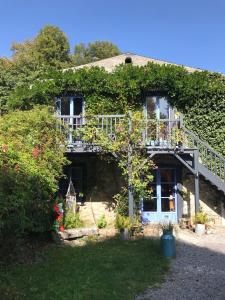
{"points": [[161, 134]]}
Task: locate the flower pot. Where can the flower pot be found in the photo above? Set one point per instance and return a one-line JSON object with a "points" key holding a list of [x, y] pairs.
{"points": [[125, 234], [200, 229]]}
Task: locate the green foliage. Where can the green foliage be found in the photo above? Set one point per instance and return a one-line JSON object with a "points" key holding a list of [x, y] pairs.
{"points": [[49, 49], [201, 218], [72, 220], [93, 52], [31, 162], [52, 46], [129, 152], [122, 222], [102, 223], [200, 96]]}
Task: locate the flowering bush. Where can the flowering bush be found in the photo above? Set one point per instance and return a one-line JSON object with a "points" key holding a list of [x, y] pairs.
{"points": [[31, 161]]}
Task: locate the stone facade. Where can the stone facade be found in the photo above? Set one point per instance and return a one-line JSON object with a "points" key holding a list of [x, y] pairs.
{"points": [[102, 180], [211, 200]]}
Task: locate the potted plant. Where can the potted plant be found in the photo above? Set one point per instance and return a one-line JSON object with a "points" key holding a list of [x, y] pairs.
{"points": [[167, 227], [124, 225], [167, 240], [200, 220]]}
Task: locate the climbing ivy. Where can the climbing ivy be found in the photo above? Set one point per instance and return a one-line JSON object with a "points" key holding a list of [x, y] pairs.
{"points": [[199, 95]]}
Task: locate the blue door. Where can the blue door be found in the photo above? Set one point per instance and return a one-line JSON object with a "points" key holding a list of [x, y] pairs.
{"points": [[162, 205]]}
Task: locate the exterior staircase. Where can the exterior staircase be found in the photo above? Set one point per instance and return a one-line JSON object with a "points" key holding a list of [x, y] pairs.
{"points": [[211, 165]]}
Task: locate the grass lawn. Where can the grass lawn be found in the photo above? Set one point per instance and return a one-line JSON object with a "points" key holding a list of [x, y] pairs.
{"points": [[112, 269]]}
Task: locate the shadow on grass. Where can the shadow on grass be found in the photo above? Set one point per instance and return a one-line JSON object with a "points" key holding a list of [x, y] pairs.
{"points": [[109, 269]]}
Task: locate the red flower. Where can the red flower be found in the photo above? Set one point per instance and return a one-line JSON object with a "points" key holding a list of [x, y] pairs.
{"points": [[61, 228]]}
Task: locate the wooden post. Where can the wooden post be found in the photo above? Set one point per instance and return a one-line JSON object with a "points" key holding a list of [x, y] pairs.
{"points": [[196, 181], [129, 160]]}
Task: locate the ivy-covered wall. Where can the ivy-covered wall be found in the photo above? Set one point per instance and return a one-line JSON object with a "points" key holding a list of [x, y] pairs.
{"points": [[200, 96]]}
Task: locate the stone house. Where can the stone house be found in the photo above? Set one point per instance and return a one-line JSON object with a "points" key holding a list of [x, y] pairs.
{"points": [[183, 181]]}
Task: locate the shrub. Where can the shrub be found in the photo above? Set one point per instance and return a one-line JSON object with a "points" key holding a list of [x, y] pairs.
{"points": [[31, 162], [201, 218], [72, 220], [122, 222], [102, 223]]}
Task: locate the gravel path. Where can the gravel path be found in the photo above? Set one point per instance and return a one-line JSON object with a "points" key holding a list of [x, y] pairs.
{"points": [[198, 272]]}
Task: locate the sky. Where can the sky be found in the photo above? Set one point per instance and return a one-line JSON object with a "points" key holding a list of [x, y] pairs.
{"points": [[186, 32]]}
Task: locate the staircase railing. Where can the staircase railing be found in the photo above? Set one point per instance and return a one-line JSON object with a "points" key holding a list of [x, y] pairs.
{"points": [[207, 156]]}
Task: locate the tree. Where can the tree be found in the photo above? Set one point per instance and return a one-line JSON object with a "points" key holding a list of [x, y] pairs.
{"points": [[52, 47], [125, 146], [7, 81], [49, 49], [94, 51]]}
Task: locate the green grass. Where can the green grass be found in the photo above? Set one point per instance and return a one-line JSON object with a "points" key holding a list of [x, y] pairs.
{"points": [[112, 269]]}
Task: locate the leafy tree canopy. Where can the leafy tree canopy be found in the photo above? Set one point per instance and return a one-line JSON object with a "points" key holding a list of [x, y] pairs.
{"points": [[94, 51], [52, 46], [49, 49]]}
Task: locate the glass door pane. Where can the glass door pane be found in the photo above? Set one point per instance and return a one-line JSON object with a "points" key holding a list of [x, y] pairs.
{"points": [[167, 178], [65, 106], [164, 108], [77, 106], [151, 107], [150, 204]]}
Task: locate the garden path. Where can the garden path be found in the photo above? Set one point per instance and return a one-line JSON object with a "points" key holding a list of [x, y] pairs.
{"points": [[198, 272]]}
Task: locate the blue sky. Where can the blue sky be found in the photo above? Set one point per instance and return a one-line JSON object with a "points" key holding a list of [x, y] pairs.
{"points": [[189, 32]]}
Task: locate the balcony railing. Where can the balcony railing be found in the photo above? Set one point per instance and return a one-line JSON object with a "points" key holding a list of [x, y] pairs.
{"points": [[155, 133], [162, 133]]}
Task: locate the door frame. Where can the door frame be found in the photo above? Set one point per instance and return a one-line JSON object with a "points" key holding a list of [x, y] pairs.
{"points": [[158, 215]]}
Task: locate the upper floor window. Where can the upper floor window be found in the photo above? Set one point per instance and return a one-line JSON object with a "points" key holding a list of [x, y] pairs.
{"points": [[158, 107], [70, 106]]}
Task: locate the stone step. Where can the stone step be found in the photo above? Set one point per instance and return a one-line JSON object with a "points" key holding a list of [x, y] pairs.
{"points": [[69, 234]]}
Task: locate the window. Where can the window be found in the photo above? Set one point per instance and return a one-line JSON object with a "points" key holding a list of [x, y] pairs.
{"points": [[70, 106], [157, 107]]}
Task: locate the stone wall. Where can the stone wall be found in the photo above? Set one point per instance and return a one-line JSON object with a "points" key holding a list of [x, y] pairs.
{"points": [[210, 198], [103, 180]]}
